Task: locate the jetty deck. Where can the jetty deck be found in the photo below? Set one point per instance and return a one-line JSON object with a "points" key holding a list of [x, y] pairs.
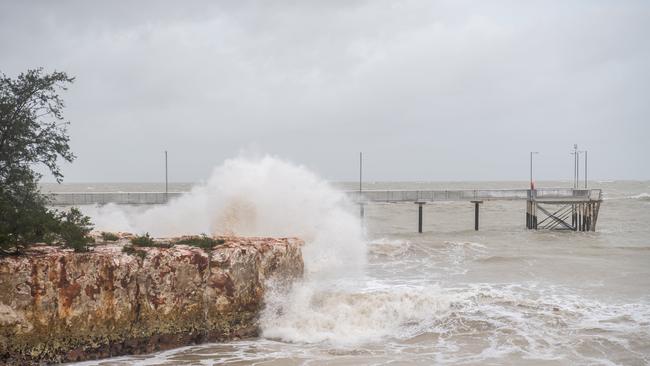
{"points": [[546, 208]]}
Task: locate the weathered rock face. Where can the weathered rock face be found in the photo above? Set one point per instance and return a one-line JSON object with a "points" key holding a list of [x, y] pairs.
{"points": [[57, 305]]}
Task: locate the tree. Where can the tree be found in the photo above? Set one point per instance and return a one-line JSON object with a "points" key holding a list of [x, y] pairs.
{"points": [[32, 131]]}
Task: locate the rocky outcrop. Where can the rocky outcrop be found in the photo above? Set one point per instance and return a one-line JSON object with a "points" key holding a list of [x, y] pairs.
{"points": [[56, 305]]}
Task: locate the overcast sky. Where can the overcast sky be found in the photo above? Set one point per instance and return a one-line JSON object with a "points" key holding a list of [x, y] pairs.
{"points": [[428, 90]]}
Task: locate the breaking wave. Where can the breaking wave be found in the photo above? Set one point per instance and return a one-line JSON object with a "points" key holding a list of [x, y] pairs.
{"points": [[345, 318], [642, 196], [388, 248], [264, 196], [339, 304]]}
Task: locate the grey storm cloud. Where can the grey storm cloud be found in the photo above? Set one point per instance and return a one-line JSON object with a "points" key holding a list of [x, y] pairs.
{"points": [[429, 90]]}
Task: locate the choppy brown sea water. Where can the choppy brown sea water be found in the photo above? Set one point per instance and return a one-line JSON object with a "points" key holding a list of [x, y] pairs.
{"points": [[503, 295]]}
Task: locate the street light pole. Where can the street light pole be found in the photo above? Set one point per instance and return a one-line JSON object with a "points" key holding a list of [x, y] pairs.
{"points": [[575, 166], [585, 169], [578, 169], [361, 211], [166, 179], [360, 172], [531, 168]]}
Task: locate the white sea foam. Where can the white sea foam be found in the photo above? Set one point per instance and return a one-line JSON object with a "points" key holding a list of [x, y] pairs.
{"points": [[269, 196], [466, 244], [475, 324], [388, 247], [256, 197], [343, 318], [642, 196]]}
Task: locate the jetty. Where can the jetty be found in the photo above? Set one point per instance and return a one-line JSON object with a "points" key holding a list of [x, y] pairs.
{"points": [[546, 208]]}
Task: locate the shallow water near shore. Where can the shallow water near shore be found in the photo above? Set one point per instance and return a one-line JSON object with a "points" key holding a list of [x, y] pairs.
{"points": [[502, 295]]}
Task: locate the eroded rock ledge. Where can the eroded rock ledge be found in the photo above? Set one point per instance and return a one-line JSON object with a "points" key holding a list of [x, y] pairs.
{"points": [[56, 305]]}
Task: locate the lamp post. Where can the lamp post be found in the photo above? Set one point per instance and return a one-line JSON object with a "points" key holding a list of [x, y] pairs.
{"points": [[360, 172], [531, 168], [575, 166], [585, 169], [166, 180], [362, 213]]}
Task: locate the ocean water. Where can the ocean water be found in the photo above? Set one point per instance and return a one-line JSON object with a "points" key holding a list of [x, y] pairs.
{"points": [[378, 293]]}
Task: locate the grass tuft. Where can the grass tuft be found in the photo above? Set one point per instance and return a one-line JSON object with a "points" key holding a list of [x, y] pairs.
{"points": [[129, 249], [106, 236], [143, 240], [203, 241]]}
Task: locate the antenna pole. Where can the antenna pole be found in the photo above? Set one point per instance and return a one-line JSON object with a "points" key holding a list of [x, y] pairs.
{"points": [[575, 165]]}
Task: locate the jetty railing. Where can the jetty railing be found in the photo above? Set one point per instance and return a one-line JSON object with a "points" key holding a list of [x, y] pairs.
{"points": [[546, 208], [474, 195], [120, 198]]}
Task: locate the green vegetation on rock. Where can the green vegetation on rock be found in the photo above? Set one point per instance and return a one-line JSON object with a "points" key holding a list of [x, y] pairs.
{"points": [[203, 241], [131, 250], [73, 230], [144, 241], [106, 236]]}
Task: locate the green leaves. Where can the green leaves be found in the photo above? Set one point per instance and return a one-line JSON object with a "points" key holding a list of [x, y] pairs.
{"points": [[73, 229], [32, 128], [143, 240], [33, 131], [203, 241]]}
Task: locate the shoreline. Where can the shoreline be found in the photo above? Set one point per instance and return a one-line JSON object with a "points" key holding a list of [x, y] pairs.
{"points": [[61, 306]]}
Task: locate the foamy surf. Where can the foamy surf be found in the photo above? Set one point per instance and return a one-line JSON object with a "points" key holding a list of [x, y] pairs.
{"points": [[641, 196], [388, 247], [351, 317], [480, 323]]}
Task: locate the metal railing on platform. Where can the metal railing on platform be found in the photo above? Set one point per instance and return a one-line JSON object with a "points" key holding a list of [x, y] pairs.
{"points": [[146, 198], [124, 198], [473, 195]]}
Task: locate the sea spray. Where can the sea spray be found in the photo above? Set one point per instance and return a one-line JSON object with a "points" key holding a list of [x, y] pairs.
{"points": [[264, 196], [334, 302]]}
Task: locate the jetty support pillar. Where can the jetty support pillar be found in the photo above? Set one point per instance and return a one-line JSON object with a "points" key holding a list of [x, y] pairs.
{"points": [[420, 204], [476, 213], [531, 215]]}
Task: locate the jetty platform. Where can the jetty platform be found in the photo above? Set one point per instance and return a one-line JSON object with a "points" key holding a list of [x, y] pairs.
{"points": [[546, 208]]}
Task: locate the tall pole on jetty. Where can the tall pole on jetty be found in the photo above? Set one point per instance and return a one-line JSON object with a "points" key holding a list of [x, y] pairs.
{"points": [[360, 182], [575, 183], [575, 165], [166, 178], [585, 169], [578, 169], [531, 168]]}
